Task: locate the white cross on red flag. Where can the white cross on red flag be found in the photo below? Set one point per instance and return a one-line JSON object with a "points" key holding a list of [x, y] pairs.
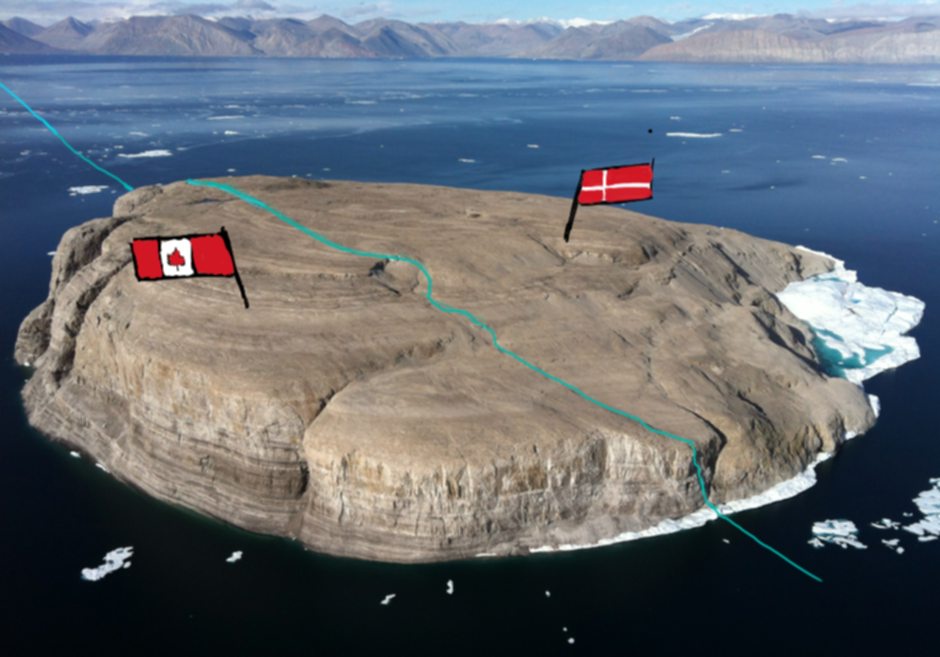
{"points": [[616, 184]]}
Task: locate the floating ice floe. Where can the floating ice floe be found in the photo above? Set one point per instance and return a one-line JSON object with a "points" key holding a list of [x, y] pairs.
{"points": [[843, 533], [450, 587], [886, 523], [159, 152], [571, 639], [694, 135], [548, 593], [928, 502], [859, 330], [81, 190], [387, 599], [234, 556], [113, 560], [893, 543]]}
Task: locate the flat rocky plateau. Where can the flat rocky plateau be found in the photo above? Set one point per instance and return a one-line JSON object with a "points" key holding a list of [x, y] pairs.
{"points": [[346, 412]]}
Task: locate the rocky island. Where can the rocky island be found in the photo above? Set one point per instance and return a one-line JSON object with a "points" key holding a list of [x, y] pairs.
{"points": [[345, 411]]}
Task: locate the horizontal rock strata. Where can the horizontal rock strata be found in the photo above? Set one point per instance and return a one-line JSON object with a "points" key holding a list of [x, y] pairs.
{"points": [[344, 411]]}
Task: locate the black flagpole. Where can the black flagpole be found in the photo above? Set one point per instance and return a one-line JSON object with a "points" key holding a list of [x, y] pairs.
{"points": [[574, 207], [238, 278]]}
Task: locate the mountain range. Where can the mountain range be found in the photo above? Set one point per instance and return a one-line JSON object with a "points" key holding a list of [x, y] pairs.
{"points": [[778, 38]]}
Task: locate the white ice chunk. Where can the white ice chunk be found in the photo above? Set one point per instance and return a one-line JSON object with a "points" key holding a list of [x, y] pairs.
{"points": [[928, 502], [843, 533], [235, 556], [466, 160], [387, 599], [86, 189], [114, 560], [886, 523], [159, 152], [548, 593], [74, 454], [694, 135], [859, 329], [101, 466], [450, 587]]}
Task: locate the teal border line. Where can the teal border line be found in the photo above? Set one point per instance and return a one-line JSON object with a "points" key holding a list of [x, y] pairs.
{"points": [[476, 321], [444, 308], [55, 132]]}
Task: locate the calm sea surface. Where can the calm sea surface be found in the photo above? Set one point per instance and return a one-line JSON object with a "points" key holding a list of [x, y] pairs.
{"points": [[870, 197]]}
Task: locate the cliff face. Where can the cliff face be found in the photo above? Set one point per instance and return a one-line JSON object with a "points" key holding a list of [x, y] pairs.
{"points": [[343, 410]]}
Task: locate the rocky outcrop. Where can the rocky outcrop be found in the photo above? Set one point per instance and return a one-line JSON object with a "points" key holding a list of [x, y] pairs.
{"points": [[345, 411]]}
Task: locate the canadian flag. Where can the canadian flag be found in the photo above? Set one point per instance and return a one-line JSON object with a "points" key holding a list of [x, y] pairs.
{"points": [[176, 257], [186, 256]]}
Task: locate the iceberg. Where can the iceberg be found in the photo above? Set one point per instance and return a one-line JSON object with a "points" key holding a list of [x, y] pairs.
{"points": [[694, 135], [235, 556], [859, 331], [927, 528], [159, 152], [86, 189], [843, 533], [114, 560]]}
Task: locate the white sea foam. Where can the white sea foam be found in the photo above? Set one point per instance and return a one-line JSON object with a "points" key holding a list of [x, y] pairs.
{"points": [[694, 135], [86, 189], [160, 152], [532, 146], [138, 133], [735, 129], [784, 490], [818, 157], [927, 528], [840, 160], [862, 328], [675, 118], [232, 132], [114, 560], [843, 533], [361, 102], [226, 117], [466, 160], [234, 556]]}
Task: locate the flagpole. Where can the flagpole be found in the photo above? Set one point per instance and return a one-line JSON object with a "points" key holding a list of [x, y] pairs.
{"points": [[574, 207], [238, 278]]}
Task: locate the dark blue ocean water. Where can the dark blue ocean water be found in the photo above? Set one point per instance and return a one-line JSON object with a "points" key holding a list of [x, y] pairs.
{"points": [[471, 124]]}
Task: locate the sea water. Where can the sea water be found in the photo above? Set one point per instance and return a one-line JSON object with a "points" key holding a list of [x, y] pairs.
{"points": [[839, 159]]}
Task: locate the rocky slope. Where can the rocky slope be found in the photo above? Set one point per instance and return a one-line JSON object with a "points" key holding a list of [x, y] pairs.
{"points": [[343, 410]]}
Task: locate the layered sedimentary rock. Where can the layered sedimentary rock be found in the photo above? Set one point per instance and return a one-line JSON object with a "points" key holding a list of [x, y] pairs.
{"points": [[344, 410]]}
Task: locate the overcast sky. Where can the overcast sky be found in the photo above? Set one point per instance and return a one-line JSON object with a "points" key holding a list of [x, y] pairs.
{"points": [[46, 11]]}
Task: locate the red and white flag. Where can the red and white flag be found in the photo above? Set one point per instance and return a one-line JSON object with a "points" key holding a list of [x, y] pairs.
{"points": [[187, 256], [618, 184]]}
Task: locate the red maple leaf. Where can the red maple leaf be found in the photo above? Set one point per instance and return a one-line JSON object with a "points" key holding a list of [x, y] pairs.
{"points": [[175, 259]]}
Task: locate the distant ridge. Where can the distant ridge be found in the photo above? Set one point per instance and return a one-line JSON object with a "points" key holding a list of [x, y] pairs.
{"points": [[777, 38]]}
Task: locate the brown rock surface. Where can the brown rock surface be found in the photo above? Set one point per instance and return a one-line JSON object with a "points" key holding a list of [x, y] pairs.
{"points": [[343, 410]]}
